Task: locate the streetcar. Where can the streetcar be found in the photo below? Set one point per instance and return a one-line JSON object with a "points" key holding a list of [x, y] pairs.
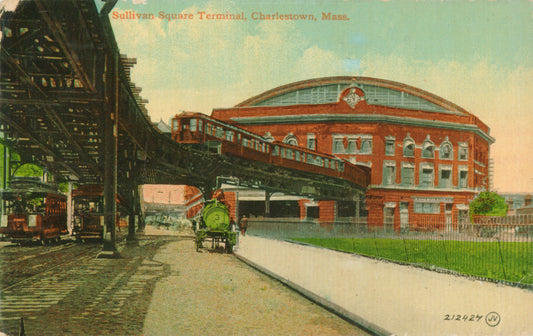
{"points": [[33, 211], [88, 214]]}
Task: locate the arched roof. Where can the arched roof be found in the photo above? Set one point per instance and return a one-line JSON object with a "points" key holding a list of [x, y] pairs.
{"points": [[377, 92]]}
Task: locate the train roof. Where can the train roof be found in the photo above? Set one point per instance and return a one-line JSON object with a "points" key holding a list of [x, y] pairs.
{"points": [[225, 123], [29, 185]]}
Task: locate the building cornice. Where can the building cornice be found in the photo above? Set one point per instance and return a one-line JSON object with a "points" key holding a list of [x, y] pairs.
{"points": [[362, 118]]}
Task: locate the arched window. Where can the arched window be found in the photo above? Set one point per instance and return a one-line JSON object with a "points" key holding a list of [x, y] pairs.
{"points": [[428, 150], [446, 150], [408, 146], [290, 139]]}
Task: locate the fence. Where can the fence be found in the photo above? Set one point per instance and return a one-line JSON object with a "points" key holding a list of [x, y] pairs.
{"points": [[493, 248]]}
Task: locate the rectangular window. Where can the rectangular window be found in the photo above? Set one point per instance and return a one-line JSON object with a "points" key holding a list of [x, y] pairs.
{"points": [[219, 132], [389, 147], [463, 179], [338, 146], [245, 142], [426, 176], [193, 125], [311, 141], [200, 124], [366, 146], [389, 172], [290, 153], [174, 124], [275, 151], [408, 174], [297, 156], [352, 146], [427, 207], [229, 135], [445, 177], [463, 152], [209, 129]]}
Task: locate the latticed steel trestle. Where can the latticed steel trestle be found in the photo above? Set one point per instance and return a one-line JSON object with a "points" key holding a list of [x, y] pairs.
{"points": [[68, 104]]}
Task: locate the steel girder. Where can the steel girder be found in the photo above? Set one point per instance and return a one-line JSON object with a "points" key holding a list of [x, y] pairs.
{"points": [[52, 107]]}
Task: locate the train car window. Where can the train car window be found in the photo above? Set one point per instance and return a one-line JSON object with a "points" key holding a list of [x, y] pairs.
{"points": [[184, 126], [200, 124], [175, 124], [340, 166], [283, 152], [245, 142], [309, 159], [290, 154], [193, 125], [229, 135], [209, 129], [275, 151], [297, 156], [220, 132], [319, 161], [326, 163]]}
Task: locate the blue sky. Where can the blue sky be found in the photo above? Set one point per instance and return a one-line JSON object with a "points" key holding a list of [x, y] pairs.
{"points": [[477, 54]]}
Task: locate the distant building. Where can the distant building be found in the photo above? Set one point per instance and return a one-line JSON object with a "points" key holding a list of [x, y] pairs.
{"points": [[163, 127], [519, 204], [428, 156]]}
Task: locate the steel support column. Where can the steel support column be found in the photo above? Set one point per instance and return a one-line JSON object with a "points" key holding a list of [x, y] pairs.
{"points": [[133, 212], [109, 249], [6, 164], [267, 203], [357, 207]]}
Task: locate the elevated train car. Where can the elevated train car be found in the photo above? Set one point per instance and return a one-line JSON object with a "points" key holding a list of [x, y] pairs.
{"points": [[89, 212], [227, 139], [33, 211]]}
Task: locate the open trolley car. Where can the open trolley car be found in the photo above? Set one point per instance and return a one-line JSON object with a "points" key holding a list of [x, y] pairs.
{"points": [[33, 211]]}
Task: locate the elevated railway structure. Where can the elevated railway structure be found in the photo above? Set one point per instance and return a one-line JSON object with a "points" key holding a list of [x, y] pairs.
{"points": [[67, 103]]}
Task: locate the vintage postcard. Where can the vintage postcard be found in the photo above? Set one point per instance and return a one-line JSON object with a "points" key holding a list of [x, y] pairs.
{"points": [[266, 167]]}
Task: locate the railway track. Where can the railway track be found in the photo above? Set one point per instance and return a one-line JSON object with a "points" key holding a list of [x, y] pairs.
{"points": [[20, 264]]}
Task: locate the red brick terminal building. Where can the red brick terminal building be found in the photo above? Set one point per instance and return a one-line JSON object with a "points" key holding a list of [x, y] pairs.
{"points": [[428, 156]]}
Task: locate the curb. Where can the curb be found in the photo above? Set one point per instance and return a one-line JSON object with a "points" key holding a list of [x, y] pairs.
{"points": [[330, 306]]}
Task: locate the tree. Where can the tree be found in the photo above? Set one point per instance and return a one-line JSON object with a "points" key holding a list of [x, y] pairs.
{"points": [[29, 169], [488, 204]]}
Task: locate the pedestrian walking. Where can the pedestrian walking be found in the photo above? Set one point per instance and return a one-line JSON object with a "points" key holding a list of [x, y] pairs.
{"points": [[243, 225]]}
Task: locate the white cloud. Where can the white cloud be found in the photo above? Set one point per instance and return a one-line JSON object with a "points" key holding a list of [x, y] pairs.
{"points": [[199, 65]]}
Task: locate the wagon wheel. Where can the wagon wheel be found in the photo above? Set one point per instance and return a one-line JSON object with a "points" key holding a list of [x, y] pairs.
{"points": [[198, 244], [228, 246]]}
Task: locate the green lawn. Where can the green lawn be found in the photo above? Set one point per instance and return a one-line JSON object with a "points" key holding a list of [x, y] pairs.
{"points": [[482, 259]]}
